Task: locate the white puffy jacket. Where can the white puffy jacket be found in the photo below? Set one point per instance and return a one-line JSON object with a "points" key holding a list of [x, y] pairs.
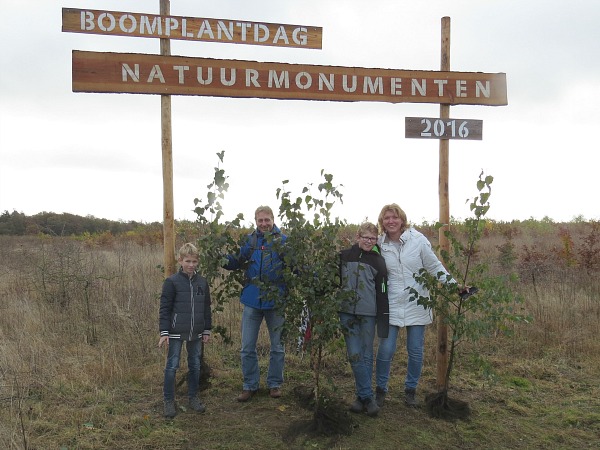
{"points": [[415, 253]]}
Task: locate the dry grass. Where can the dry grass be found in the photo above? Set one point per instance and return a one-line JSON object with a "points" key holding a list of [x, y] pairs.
{"points": [[80, 367]]}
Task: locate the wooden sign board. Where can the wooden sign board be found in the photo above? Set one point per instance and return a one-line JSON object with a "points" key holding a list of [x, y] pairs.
{"points": [[435, 128], [190, 28], [178, 75]]}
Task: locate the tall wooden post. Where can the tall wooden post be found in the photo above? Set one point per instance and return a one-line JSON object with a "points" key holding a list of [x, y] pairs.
{"points": [[442, 328], [167, 161]]}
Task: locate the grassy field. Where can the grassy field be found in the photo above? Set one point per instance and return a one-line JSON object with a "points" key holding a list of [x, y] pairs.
{"points": [[80, 367]]}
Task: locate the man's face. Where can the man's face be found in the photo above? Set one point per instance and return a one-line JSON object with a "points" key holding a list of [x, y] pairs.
{"points": [[264, 222]]}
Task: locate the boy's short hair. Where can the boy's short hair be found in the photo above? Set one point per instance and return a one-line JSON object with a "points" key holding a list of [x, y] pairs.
{"points": [[188, 249], [367, 227], [266, 209]]}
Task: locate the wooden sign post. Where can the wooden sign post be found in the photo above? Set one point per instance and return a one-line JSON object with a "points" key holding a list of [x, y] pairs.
{"points": [[443, 190], [167, 162]]}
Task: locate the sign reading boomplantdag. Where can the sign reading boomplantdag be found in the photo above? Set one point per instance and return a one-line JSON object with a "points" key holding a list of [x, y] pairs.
{"points": [[178, 75], [190, 28]]}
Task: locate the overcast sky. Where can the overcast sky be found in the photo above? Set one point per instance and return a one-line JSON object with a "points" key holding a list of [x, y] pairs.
{"points": [[100, 154]]}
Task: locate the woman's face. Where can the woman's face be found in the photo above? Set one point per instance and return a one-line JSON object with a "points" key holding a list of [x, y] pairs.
{"points": [[392, 222]]}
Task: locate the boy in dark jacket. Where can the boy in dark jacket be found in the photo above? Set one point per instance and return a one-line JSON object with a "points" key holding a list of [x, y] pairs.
{"points": [[184, 315], [364, 274]]}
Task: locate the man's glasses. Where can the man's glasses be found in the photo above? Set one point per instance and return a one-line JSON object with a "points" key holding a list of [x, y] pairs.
{"points": [[368, 239]]}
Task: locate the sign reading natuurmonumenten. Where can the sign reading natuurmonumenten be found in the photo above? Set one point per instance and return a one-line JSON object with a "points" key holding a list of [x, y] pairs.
{"points": [[178, 75], [434, 128], [190, 28]]}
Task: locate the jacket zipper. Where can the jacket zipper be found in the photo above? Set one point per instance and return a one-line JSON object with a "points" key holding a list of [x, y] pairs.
{"points": [[193, 313]]}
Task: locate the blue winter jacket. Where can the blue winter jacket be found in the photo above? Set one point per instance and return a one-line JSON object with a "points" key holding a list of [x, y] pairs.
{"points": [[262, 264]]}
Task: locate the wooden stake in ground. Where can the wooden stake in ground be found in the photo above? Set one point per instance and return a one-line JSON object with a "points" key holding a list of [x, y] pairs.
{"points": [[167, 162], [442, 328]]}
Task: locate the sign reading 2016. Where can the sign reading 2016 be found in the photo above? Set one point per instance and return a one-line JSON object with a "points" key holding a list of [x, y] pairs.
{"points": [[432, 128]]}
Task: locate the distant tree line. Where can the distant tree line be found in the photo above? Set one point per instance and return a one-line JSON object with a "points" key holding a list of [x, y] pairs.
{"points": [[64, 224]]}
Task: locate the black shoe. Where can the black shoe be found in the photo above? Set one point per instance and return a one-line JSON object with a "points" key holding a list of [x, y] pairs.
{"points": [[380, 396], [197, 405], [357, 406], [170, 409], [372, 407], [410, 399]]}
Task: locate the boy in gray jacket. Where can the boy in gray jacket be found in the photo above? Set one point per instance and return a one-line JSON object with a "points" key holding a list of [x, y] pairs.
{"points": [[363, 272]]}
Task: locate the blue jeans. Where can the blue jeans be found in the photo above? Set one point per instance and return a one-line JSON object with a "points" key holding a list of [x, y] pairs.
{"points": [[415, 344], [194, 352], [251, 320], [359, 334]]}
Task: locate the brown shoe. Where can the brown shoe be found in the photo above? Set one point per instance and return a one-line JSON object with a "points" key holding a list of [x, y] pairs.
{"points": [[275, 392], [245, 395]]}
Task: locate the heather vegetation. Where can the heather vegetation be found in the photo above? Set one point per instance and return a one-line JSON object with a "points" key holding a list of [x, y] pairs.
{"points": [[80, 367]]}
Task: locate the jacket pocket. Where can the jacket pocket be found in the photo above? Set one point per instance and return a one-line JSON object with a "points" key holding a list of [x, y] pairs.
{"points": [[174, 321]]}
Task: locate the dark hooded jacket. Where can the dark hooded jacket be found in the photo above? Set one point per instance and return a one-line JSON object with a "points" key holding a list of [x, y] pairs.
{"points": [[185, 307]]}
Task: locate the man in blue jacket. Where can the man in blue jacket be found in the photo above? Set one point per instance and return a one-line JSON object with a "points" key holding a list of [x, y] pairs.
{"points": [[262, 290]]}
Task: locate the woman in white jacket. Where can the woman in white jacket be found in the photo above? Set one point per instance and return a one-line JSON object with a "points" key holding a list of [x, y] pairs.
{"points": [[406, 251]]}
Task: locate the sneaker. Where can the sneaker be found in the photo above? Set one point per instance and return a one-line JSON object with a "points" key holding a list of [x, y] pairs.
{"points": [[372, 407], [380, 396], [170, 410], [245, 395], [410, 399], [197, 405], [357, 406], [275, 392]]}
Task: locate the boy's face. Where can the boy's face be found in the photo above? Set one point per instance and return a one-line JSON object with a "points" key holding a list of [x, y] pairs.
{"points": [[189, 263], [264, 222], [366, 241]]}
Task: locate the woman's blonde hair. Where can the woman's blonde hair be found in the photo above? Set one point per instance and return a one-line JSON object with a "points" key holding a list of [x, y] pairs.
{"points": [[396, 210]]}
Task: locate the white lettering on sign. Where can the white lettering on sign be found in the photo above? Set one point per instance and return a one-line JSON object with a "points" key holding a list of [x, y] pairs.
{"points": [[252, 78], [154, 29], [123, 23], [156, 73], [416, 86], [278, 82], [396, 86], [224, 80], [201, 79], [177, 75], [326, 82], [304, 80], [441, 84], [181, 70], [481, 89], [183, 27], [433, 128], [133, 74], [345, 86]]}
